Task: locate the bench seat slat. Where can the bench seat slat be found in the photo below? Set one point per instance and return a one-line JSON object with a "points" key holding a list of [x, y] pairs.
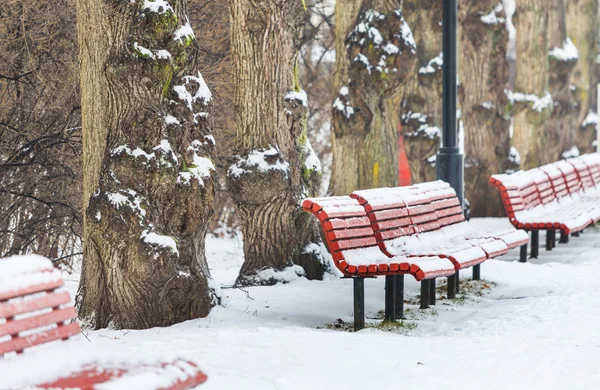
{"points": [[13, 327], [349, 233], [21, 343], [32, 289], [10, 309]]}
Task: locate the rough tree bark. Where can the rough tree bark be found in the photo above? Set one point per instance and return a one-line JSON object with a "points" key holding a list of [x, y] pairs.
{"points": [[148, 183], [557, 134], [375, 56], [275, 165], [583, 28], [422, 93], [483, 76], [532, 103]]}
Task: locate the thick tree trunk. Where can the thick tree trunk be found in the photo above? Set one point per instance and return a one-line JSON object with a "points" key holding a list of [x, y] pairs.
{"points": [[375, 56], [532, 103], [557, 134], [149, 179], [275, 166], [484, 75], [421, 104], [583, 29]]}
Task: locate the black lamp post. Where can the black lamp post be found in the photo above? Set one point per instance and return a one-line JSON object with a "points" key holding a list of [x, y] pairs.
{"points": [[450, 162]]}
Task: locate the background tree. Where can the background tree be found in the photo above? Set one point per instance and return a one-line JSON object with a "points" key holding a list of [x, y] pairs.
{"points": [[557, 134], [375, 56], [583, 28], [422, 92], [40, 133], [148, 182], [484, 75], [532, 102], [275, 166]]}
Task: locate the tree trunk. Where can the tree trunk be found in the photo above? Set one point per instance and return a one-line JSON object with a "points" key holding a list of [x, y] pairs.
{"points": [[557, 134], [275, 165], [532, 103], [422, 92], [583, 29], [483, 78], [149, 179], [375, 56]]}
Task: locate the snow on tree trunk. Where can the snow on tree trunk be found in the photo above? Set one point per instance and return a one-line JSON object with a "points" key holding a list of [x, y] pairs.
{"points": [[483, 77], [583, 29], [375, 56], [275, 166], [532, 102], [421, 106], [149, 176]]}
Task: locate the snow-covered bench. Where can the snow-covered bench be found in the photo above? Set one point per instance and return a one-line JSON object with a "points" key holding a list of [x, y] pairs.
{"points": [[34, 311], [418, 230], [560, 196]]}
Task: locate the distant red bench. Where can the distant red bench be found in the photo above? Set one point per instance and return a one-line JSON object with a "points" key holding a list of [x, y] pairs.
{"points": [[33, 312], [560, 196], [418, 230]]}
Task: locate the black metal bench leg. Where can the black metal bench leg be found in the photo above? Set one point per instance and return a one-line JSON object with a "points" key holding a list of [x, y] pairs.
{"points": [[564, 237], [549, 234], [359, 303], [523, 256], [576, 234], [399, 296], [432, 287], [457, 283], [553, 238], [535, 244], [451, 286], [390, 298], [477, 272], [424, 294]]}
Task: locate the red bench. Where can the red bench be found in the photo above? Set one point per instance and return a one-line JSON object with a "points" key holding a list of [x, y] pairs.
{"points": [[392, 232], [33, 312], [560, 196]]}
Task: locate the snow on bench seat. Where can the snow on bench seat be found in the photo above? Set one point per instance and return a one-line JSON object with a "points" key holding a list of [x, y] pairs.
{"points": [[562, 195], [420, 220], [34, 311], [354, 247]]}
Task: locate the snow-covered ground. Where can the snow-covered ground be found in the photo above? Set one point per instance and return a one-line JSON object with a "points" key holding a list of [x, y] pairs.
{"points": [[527, 326]]}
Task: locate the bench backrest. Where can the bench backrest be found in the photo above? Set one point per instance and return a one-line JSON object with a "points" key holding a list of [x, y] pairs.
{"points": [[570, 176], [346, 226], [31, 307], [584, 173], [593, 162], [519, 192], [404, 211], [525, 190]]}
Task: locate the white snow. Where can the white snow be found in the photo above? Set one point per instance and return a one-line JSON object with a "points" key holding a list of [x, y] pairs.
{"points": [[514, 155], [159, 240], [571, 153], [157, 6], [202, 93], [532, 324], [539, 103], [492, 18], [590, 119], [171, 120], [533, 330], [258, 159], [568, 52], [300, 96], [434, 65], [183, 32]]}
